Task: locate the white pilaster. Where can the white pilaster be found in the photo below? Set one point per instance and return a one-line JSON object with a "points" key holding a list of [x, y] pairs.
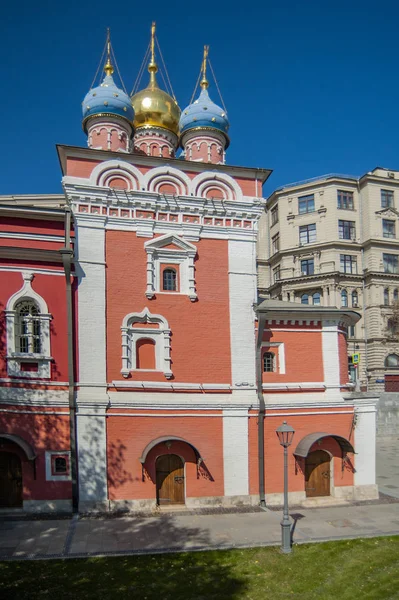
{"points": [[91, 299], [92, 452], [242, 296], [365, 443], [235, 452], [330, 351]]}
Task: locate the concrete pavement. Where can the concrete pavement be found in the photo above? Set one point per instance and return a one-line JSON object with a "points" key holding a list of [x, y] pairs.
{"points": [[168, 532]]}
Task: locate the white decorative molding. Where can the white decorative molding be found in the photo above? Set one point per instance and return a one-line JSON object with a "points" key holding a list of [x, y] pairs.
{"points": [[154, 178], [201, 182], [49, 473], [116, 168], [132, 333], [14, 358], [281, 354], [183, 255]]}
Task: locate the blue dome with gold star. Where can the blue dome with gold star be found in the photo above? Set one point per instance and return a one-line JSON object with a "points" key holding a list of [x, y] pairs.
{"points": [[204, 114], [107, 100]]}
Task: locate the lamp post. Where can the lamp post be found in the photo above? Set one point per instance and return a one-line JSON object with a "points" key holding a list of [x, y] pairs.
{"points": [[285, 433]]}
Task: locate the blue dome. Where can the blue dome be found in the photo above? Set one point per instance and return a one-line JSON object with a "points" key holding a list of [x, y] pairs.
{"points": [[107, 99], [204, 113]]}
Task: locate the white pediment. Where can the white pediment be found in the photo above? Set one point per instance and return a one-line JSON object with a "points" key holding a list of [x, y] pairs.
{"points": [[170, 242], [389, 213]]}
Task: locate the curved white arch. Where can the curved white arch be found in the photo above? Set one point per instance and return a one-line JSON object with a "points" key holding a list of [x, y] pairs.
{"points": [[145, 317], [116, 167], [204, 179], [116, 175], [166, 175], [27, 292]]}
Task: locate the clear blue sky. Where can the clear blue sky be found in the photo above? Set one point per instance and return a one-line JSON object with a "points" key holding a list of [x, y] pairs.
{"points": [[310, 87]]}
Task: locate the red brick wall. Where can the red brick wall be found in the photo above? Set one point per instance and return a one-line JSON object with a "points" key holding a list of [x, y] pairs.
{"points": [[338, 424], [128, 436], [200, 342], [42, 432]]}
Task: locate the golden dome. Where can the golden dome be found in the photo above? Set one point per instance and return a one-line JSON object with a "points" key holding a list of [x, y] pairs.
{"points": [[155, 108], [152, 106]]}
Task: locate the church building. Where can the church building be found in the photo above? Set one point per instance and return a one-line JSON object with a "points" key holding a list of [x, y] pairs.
{"points": [[139, 368]]}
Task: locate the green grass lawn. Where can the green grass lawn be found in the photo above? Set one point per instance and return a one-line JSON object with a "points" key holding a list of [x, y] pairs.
{"points": [[345, 570]]}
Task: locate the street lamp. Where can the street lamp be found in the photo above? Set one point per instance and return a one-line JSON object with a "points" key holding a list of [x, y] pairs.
{"points": [[285, 433]]}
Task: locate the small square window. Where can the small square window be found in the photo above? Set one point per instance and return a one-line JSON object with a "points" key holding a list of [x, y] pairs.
{"points": [[59, 464]]}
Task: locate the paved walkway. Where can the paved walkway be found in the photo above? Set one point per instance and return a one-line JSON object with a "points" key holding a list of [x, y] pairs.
{"points": [[387, 465], [190, 531]]}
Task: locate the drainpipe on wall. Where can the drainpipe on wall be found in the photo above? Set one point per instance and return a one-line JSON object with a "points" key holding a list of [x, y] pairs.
{"points": [[262, 411], [67, 258]]}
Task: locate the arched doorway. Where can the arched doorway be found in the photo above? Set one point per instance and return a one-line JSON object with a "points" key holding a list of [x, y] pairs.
{"points": [[10, 480], [317, 474], [170, 480]]}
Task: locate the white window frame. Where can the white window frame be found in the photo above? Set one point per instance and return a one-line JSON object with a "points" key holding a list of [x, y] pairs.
{"points": [[132, 333], [183, 257], [15, 358], [49, 473], [279, 365]]}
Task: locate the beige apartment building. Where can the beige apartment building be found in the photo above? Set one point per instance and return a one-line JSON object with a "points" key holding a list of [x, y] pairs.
{"points": [[334, 241]]}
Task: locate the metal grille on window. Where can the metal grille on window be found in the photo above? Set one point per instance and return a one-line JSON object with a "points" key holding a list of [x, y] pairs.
{"points": [[169, 280], [268, 362], [28, 332]]}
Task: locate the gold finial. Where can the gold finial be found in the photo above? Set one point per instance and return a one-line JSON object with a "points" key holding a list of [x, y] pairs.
{"points": [[152, 67], [109, 69], [204, 81]]}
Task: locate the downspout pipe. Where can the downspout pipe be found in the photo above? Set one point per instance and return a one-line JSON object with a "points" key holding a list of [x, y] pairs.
{"points": [[262, 411], [67, 258]]}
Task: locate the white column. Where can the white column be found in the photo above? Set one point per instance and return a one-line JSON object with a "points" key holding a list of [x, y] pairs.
{"points": [[242, 296], [92, 452], [235, 452]]}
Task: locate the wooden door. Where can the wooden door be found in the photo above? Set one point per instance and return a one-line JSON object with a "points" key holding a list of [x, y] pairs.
{"points": [[170, 480], [317, 474], [10, 480]]}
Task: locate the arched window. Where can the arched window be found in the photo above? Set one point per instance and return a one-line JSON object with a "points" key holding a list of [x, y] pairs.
{"points": [[316, 299], [344, 298], [386, 296], [169, 282], [304, 299], [392, 361], [27, 327], [268, 362], [145, 354], [355, 299], [395, 295]]}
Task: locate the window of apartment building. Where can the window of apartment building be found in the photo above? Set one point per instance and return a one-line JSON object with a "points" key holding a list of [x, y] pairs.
{"points": [[316, 299], [355, 299], [346, 230], [392, 361], [275, 243], [274, 214], [390, 263], [351, 331], [307, 234], [344, 298], [386, 297], [348, 263], [307, 266], [395, 295], [306, 204], [388, 228], [276, 274], [345, 199], [304, 299], [386, 199]]}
